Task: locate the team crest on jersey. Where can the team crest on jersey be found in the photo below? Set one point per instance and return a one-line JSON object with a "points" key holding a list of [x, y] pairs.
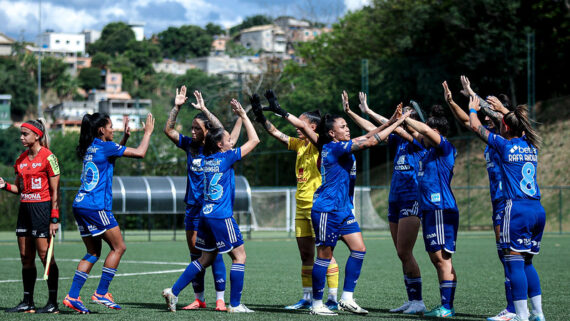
{"points": [[208, 208], [435, 197], [36, 183], [196, 165], [79, 197]]}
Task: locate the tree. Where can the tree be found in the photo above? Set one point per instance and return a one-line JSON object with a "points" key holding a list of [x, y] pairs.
{"points": [[114, 39], [185, 42], [142, 54], [248, 22], [15, 81], [214, 29], [100, 60], [90, 78]]}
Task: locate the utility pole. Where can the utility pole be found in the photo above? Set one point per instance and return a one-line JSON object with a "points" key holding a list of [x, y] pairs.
{"points": [[40, 45]]}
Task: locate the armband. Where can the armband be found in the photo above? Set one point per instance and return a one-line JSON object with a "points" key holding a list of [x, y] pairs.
{"points": [[472, 111], [55, 213], [8, 187]]}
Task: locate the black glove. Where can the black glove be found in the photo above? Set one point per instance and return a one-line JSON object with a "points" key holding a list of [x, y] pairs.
{"points": [[256, 108], [274, 105]]}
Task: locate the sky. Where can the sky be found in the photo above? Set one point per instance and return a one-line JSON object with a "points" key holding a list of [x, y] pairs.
{"points": [[19, 18]]}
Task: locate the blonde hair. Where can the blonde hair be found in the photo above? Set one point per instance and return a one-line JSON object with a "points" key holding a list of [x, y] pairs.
{"points": [[40, 124]]}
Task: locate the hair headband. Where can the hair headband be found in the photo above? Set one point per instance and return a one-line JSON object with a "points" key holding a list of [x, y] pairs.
{"points": [[33, 128], [505, 124]]}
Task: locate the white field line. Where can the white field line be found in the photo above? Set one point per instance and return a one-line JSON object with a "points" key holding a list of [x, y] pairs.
{"points": [[116, 275]]}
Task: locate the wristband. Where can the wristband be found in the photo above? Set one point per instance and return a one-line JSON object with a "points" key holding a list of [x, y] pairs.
{"points": [[8, 187], [472, 111], [55, 213]]}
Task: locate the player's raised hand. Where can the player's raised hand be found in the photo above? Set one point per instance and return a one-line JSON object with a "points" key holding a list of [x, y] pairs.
{"points": [[274, 104], [474, 103], [397, 113], [149, 125], [257, 109], [199, 101], [363, 104], [180, 98], [345, 105], [126, 128], [446, 92], [467, 91], [237, 108]]}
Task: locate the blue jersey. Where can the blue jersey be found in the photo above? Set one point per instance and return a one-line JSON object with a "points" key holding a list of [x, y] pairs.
{"points": [[219, 183], [195, 176], [404, 185], [337, 163], [96, 191], [494, 171], [352, 184], [435, 172], [518, 161]]}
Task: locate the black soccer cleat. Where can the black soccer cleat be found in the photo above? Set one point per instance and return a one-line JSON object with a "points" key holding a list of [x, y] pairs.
{"points": [[24, 307], [49, 308]]}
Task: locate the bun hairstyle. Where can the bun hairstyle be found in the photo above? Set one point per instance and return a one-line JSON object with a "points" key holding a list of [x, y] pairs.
{"points": [[518, 125], [437, 119], [506, 101], [314, 117], [213, 137], [413, 115], [326, 124], [40, 124], [90, 125]]}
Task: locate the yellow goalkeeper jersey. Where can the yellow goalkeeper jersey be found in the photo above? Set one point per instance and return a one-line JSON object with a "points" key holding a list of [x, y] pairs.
{"points": [[306, 168]]}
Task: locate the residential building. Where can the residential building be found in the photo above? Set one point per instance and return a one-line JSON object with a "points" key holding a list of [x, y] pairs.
{"points": [[133, 109], [172, 67], [91, 35], [66, 44], [266, 39], [5, 119], [218, 46], [6, 45], [229, 66], [138, 29]]}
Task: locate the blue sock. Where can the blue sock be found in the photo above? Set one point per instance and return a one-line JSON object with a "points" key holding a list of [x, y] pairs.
{"points": [[519, 285], [106, 278], [447, 292], [237, 273], [532, 279], [78, 280], [198, 281], [415, 289], [407, 287], [187, 276], [352, 270], [319, 277], [219, 273], [508, 292]]}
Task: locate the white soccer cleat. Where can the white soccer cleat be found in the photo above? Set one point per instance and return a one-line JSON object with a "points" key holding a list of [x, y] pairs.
{"points": [[415, 307], [504, 315], [536, 317], [351, 306], [170, 299], [322, 310], [239, 309], [404, 307]]}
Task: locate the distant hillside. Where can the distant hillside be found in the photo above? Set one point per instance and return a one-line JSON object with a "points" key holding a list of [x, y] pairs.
{"points": [[474, 205]]}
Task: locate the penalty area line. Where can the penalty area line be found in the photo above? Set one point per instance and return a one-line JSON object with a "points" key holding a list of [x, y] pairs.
{"points": [[122, 261], [116, 275]]}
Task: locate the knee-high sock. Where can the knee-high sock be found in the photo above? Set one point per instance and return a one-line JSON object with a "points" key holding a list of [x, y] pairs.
{"points": [[447, 292], [106, 278], [78, 281], [352, 270], [319, 277], [519, 285], [188, 275], [52, 282], [219, 273], [29, 276], [237, 273], [508, 292], [534, 290], [198, 281], [414, 288], [332, 281]]}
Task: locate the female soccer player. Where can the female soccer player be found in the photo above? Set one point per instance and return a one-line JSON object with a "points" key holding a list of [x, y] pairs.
{"points": [[218, 232], [440, 216], [194, 146], [332, 214], [524, 219], [308, 180], [37, 182], [403, 214], [493, 119], [93, 204]]}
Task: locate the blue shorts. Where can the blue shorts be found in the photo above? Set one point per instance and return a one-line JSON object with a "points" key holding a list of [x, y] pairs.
{"points": [[498, 211], [192, 217], [220, 234], [399, 210], [523, 225], [440, 229], [330, 226], [93, 222]]}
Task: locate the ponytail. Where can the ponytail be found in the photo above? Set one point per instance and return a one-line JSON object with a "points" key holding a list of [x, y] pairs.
{"points": [[325, 125], [437, 119], [519, 124], [90, 125], [213, 137]]}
